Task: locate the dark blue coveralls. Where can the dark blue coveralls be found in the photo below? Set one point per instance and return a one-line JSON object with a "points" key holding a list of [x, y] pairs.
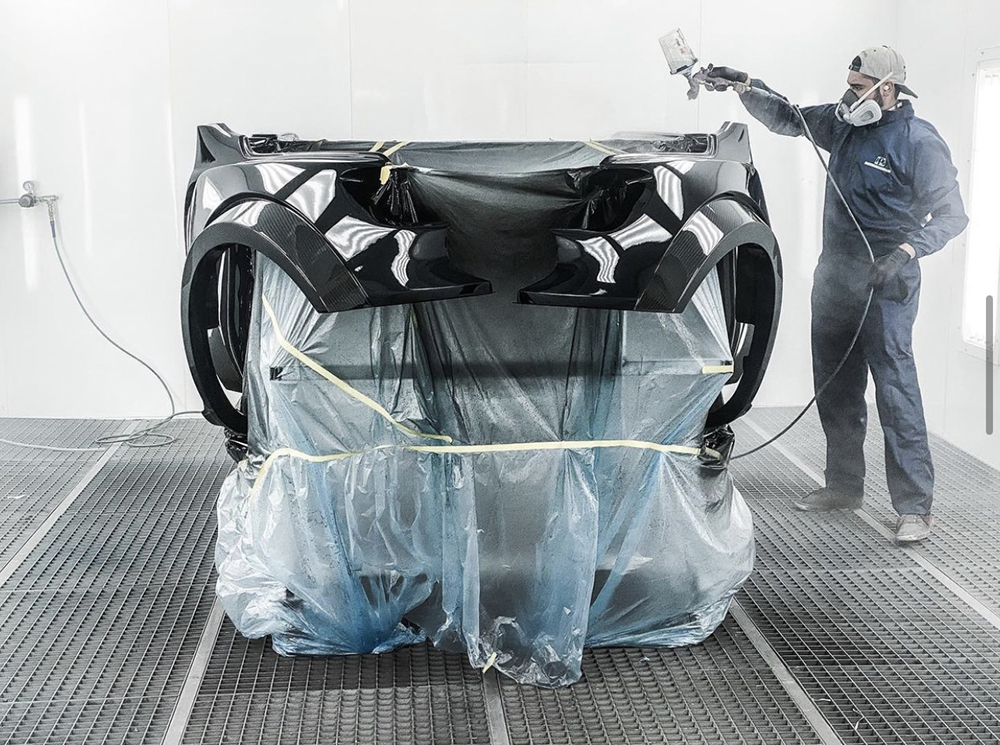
{"points": [[899, 180]]}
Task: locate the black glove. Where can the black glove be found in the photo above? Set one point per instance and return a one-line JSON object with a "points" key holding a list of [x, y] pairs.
{"points": [[886, 267], [723, 78]]}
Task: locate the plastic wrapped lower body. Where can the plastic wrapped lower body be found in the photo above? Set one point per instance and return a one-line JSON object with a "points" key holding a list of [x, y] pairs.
{"points": [[515, 482]]}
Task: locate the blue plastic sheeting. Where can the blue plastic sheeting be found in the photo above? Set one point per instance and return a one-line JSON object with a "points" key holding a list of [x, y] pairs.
{"points": [[356, 525]]}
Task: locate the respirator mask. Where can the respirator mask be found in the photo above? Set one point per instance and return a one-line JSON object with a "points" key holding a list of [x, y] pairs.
{"points": [[860, 111]]}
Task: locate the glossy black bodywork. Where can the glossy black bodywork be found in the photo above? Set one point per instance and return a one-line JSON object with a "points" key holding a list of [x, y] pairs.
{"points": [[638, 229]]}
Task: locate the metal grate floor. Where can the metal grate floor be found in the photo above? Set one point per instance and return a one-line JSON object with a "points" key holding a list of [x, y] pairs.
{"points": [[33, 482], [101, 619], [886, 650], [416, 695], [108, 632], [966, 543], [721, 691]]}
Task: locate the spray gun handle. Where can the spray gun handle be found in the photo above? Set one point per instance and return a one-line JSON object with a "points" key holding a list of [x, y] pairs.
{"points": [[720, 82], [704, 78]]}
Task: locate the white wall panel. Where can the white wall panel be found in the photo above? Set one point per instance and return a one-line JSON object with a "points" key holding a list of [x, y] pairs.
{"points": [[85, 111], [444, 69], [260, 66], [942, 51]]}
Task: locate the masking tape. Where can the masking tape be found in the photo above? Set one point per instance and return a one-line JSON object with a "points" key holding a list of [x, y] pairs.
{"points": [[290, 452], [510, 447], [352, 392], [603, 148], [383, 175], [397, 146], [489, 663], [713, 369]]}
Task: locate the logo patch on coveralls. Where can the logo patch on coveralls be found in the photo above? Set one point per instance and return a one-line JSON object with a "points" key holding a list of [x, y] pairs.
{"points": [[881, 164]]}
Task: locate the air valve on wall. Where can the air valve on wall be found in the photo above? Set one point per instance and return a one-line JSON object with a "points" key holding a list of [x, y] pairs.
{"points": [[29, 198]]}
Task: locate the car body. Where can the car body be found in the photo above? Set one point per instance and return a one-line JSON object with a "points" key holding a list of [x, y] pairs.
{"points": [[483, 388], [649, 217]]}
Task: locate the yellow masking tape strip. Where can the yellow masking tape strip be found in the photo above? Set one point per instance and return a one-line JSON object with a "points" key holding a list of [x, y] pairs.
{"points": [[489, 662], [713, 369], [555, 445], [396, 147], [604, 149], [501, 448], [353, 393], [296, 454], [383, 175]]}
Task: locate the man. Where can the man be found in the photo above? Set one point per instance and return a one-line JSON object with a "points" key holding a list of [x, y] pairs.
{"points": [[896, 174]]}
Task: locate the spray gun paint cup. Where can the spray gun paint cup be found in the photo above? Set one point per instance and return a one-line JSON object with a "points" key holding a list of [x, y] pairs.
{"points": [[680, 57]]}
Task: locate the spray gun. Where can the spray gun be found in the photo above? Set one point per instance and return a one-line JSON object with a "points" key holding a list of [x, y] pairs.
{"points": [[681, 60]]}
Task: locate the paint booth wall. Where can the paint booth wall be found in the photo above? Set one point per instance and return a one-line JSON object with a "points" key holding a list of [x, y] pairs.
{"points": [[953, 372], [99, 100]]}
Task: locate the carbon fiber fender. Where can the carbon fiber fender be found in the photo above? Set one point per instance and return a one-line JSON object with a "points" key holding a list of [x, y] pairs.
{"points": [[283, 237], [646, 266], [372, 275]]}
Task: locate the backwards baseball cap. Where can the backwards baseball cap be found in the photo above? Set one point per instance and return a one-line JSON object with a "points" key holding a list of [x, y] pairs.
{"points": [[883, 62]]}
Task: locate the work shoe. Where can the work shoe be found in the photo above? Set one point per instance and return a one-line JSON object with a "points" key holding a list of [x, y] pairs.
{"points": [[913, 528], [827, 499]]}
